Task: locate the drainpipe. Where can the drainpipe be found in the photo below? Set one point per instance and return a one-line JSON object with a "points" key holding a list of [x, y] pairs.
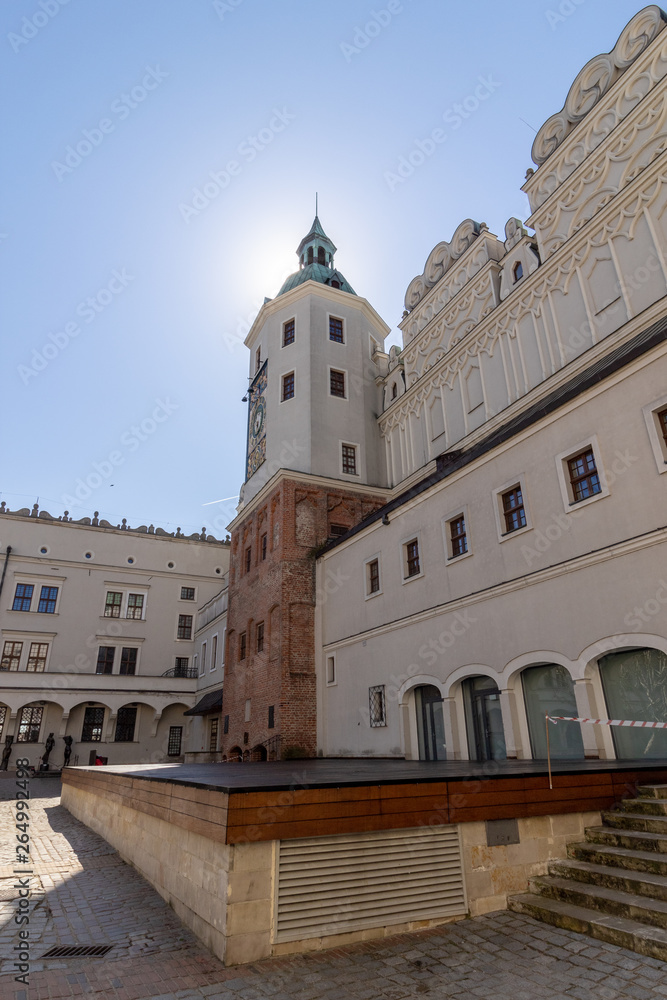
{"points": [[4, 568]]}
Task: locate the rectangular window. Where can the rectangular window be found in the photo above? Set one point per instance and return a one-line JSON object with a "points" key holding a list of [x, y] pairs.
{"points": [[264, 545], [349, 459], [202, 667], [175, 740], [331, 670], [181, 668], [258, 359], [336, 329], [248, 559], [288, 386], [213, 736], [105, 655], [242, 646], [214, 652], [23, 597], [126, 721], [377, 706], [513, 509], [47, 600], [11, 655], [337, 383], [93, 721], [457, 536], [187, 593], [662, 421], [135, 606], [412, 558], [288, 333], [584, 478], [225, 726], [260, 637], [373, 576], [30, 722], [337, 530], [128, 660], [112, 605], [184, 627], [37, 657], [272, 717]]}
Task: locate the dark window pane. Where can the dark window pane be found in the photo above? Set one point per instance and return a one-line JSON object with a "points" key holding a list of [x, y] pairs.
{"points": [[459, 540], [288, 332], [187, 593], [125, 723], [175, 739], [260, 637], [29, 725], [242, 646], [373, 577], [184, 627], [105, 655], [128, 660], [349, 460], [584, 477], [412, 553], [337, 383], [288, 386], [336, 329], [272, 717], [113, 603], [11, 655], [513, 509]]}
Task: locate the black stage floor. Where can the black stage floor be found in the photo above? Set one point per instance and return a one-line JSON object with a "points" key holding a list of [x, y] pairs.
{"points": [[345, 772]]}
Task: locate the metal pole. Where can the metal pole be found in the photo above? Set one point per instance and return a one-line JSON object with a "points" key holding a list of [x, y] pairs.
{"points": [[546, 723]]}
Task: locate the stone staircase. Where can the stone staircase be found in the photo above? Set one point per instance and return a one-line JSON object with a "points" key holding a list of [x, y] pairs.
{"points": [[614, 886]]}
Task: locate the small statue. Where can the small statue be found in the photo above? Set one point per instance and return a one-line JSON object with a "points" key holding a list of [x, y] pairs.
{"points": [[68, 750], [6, 753], [48, 747]]}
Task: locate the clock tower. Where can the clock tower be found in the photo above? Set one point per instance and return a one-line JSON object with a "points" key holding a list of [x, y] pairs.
{"points": [[314, 469]]}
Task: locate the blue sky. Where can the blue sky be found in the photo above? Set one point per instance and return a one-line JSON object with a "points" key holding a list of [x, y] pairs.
{"points": [[161, 162]]}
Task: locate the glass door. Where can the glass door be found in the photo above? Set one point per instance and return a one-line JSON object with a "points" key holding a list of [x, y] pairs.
{"points": [[430, 723], [484, 719]]}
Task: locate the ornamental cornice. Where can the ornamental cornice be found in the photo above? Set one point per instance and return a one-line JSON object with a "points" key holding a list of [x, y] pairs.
{"points": [[637, 145], [556, 273], [597, 78], [440, 260]]}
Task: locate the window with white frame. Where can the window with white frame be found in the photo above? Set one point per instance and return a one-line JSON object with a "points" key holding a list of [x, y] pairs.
{"points": [[125, 603], [655, 415], [336, 332], [337, 383], [412, 567], [288, 332], [581, 476], [377, 706], [349, 459], [287, 391], [373, 581], [511, 509], [456, 536]]}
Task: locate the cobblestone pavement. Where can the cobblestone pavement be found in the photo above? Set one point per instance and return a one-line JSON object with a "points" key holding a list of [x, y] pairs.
{"points": [[85, 894]]}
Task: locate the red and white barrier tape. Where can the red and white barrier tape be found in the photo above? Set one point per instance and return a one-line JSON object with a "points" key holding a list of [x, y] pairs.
{"points": [[609, 722]]}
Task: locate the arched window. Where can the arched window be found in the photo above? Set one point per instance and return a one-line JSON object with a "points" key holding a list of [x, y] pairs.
{"points": [[549, 690], [517, 270], [321, 258], [635, 688], [484, 719], [430, 723], [310, 255]]}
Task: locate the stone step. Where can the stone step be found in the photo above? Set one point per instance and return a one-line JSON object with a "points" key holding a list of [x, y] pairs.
{"points": [[652, 806], [630, 839], [636, 821], [597, 897], [615, 856], [645, 940], [652, 791], [650, 885]]}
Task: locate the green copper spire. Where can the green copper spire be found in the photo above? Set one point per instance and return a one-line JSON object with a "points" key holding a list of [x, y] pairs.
{"points": [[316, 261]]}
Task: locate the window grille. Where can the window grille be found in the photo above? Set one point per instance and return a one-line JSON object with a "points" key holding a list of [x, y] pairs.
{"points": [[93, 721], [29, 725], [377, 706], [181, 669], [213, 736], [174, 743]]}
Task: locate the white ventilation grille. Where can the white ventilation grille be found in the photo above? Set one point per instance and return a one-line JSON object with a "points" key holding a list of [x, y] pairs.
{"points": [[328, 885]]}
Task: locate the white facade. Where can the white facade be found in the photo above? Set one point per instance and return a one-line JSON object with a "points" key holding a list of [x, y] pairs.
{"points": [[98, 636], [524, 364]]}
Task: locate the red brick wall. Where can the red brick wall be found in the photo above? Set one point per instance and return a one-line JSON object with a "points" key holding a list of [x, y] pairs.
{"points": [[280, 592]]}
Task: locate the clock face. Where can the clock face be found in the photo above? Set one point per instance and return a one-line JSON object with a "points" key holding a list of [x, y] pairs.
{"points": [[257, 418]]}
